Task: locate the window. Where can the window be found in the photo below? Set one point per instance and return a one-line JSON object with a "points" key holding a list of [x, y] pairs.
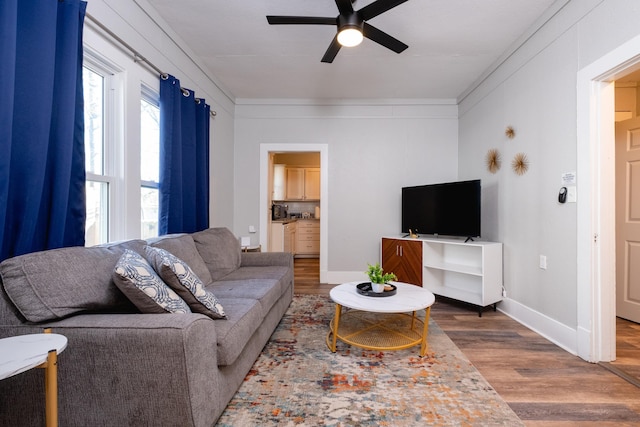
{"points": [[97, 184], [149, 163], [122, 140]]}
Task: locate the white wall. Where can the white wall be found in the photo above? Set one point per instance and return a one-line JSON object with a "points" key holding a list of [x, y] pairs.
{"points": [[534, 90], [374, 149], [139, 26]]}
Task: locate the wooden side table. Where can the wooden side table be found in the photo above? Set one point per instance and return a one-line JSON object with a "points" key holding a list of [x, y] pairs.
{"points": [[23, 352]]}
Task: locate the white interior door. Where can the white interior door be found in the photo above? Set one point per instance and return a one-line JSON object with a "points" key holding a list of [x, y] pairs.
{"points": [[628, 219]]}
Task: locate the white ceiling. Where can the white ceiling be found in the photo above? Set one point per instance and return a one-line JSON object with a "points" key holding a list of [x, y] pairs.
{"points": [[451, 44]]}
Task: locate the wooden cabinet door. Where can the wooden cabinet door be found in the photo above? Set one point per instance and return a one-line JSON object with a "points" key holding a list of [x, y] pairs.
{"points": [[289, 238], [404, 258], [279, 182], [295, 183], [276, 243], [312, 184]]}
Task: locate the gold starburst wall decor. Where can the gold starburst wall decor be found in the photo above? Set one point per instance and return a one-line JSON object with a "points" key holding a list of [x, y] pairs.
{"points": [[520, 164], [510, 132], [493, 160]]}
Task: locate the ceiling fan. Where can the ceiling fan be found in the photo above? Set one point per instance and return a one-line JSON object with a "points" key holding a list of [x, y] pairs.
{"points": [[352, 26]]}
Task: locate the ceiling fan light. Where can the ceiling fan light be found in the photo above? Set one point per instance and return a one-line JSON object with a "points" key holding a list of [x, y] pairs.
{"points": [[350, 37]]}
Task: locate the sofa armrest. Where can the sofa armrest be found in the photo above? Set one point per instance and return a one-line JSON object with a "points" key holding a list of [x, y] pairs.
{"points": [[260, 259], [135, 367]]}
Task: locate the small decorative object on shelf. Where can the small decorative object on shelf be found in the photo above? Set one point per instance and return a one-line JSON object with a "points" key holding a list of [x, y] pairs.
{"points": [[493, 160], [378, 277], [510, 132], [520, 164], [413, 234]]}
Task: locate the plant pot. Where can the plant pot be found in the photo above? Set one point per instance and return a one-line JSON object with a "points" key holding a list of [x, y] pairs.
{"points": [[377, 287]]}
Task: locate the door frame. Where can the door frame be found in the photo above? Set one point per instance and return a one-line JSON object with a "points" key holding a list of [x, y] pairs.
{"points": [[323, 149], [596, 291]]}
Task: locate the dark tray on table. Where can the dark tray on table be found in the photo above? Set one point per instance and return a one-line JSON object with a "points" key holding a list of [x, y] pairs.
{"points": [[366, 290]]}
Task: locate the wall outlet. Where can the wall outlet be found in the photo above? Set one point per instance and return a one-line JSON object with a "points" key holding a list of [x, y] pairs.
{"points": [[543, 262], [252, 229]]}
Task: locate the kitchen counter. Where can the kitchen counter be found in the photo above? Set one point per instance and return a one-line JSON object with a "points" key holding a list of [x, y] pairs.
{"points": [[288, 220], [285, 221]]}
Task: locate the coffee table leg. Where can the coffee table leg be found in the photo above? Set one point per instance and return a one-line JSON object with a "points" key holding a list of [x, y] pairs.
{"points": [[425, 332], [50, 386], [336, 324], [51, 389]]}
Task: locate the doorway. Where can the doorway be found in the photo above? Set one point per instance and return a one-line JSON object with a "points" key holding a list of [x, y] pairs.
{"points": [[266, 156], [627, 220], [596, 261]]}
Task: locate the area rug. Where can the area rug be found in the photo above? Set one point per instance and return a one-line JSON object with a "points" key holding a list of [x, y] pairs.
{"points": [[297, 381]]}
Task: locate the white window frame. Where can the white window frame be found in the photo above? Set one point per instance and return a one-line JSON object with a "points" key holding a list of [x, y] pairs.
{"points": [[113, 129], [152, 97]]}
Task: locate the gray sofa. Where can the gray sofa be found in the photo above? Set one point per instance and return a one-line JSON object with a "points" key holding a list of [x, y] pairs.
{"points": [[124, 368]]}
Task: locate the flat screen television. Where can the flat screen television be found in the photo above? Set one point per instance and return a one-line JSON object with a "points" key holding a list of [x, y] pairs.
{"points": [[446, 209]]}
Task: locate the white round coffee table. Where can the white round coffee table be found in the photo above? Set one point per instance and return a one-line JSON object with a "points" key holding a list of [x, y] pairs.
{"points": [[23, 352], [380, 323]]}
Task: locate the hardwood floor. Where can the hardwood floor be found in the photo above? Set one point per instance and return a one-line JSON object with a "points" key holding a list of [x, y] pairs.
{"points": [[627, 363], [542, 383]]}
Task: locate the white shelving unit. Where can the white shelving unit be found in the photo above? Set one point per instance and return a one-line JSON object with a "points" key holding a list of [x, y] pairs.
{"points": [[465, 271]]}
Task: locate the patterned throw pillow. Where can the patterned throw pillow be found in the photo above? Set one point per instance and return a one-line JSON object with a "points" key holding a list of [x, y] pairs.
{"points": [[139, 282], [181, 278]]}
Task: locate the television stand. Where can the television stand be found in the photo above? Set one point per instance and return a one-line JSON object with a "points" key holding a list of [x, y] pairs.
{"points": [[461, 270]]}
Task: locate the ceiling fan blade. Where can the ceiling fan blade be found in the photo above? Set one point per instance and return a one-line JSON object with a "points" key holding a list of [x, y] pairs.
{"points": [[332, 51], [302, 20], [345, 7], [380, 37], [377, 7]]}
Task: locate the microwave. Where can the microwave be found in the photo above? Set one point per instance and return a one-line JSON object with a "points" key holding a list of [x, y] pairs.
{"points": [[278, 211]]}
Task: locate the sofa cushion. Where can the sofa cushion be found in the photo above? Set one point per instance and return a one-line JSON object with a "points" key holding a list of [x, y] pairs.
{"points": [[57, 283], [135, 277], [233, 333], [184, 248], [181, 278], [266, 291], [219, 249]]}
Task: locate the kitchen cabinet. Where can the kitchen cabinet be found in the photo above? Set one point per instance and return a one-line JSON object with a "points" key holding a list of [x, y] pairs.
{"points": [[279, 182], [290, 237], [308, 238], [276, 242], [283, 237], [404, 259], [302, 183], [295, 184], [312, 184]]}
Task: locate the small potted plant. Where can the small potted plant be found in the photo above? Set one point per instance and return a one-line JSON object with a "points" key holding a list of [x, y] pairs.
{"points": [[378, 277]]}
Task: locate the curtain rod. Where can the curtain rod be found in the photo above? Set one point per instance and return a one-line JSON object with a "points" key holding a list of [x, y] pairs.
{"points": [[137, 57]]}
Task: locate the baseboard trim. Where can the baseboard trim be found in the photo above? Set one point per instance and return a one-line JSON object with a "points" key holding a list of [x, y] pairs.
{"points": [[556, 332], [338, 277]]}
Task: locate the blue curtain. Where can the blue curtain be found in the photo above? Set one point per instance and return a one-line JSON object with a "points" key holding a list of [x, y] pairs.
{"points": [[42, 175], [184, 159]]}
